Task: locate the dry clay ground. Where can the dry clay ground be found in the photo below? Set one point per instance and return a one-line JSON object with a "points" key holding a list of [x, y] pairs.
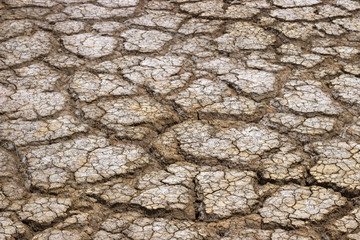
{"points": [[180, 119]]}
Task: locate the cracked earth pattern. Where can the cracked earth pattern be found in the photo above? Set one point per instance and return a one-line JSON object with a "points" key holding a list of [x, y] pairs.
{"points": [[179, 119]]}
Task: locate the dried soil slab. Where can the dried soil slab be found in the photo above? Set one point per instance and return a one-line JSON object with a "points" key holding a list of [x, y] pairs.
{"points": [[161, 74], [24, 3], [61, 235], [242, 35], [11, 227], [294, 205], [170, 190], [306, 97], [295, 3], [259, 84], [89, 86], [90, 159], [25, 48], [50, 166], [11, 182], [348, 223], [346, 88], [69, 27], [14, 28], [130, 111], [61, 60], [118, 3], [299, 30], [344, 52], [285, 165], [302, 128], [243, 145], [308, 13], [162, 19], [201, 46], [108, 27], [351, 24], [195, 25], [27, 132], [36, 76], [354, 129], [220, 65], [354, 236], [91, 11], [263, 61], [44, 210], [295, 55], [134, 226], [353, 67], [113, 193], [104, 163], [169, 197], [31, 104], [217, 9], [179, 173], [256, 83], [9, 165], [338, 163], [17, 13], [276, 234], [205, 96], [166, 197], [224, 193], [330, 28], [90, 45], [348, 4], [145, 41]]}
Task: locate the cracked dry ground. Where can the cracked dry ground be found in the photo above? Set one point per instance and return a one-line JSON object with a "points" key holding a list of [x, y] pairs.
{"points": [[179, 119]]}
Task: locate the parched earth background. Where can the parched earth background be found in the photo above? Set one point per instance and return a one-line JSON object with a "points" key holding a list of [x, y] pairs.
{"points": [[179, 119]]}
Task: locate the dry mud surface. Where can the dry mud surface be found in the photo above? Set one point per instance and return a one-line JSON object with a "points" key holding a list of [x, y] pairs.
{"points": [[179, 119]]}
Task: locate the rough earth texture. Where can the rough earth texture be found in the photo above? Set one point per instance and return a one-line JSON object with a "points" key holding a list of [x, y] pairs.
{"points": [[179, 119]]}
